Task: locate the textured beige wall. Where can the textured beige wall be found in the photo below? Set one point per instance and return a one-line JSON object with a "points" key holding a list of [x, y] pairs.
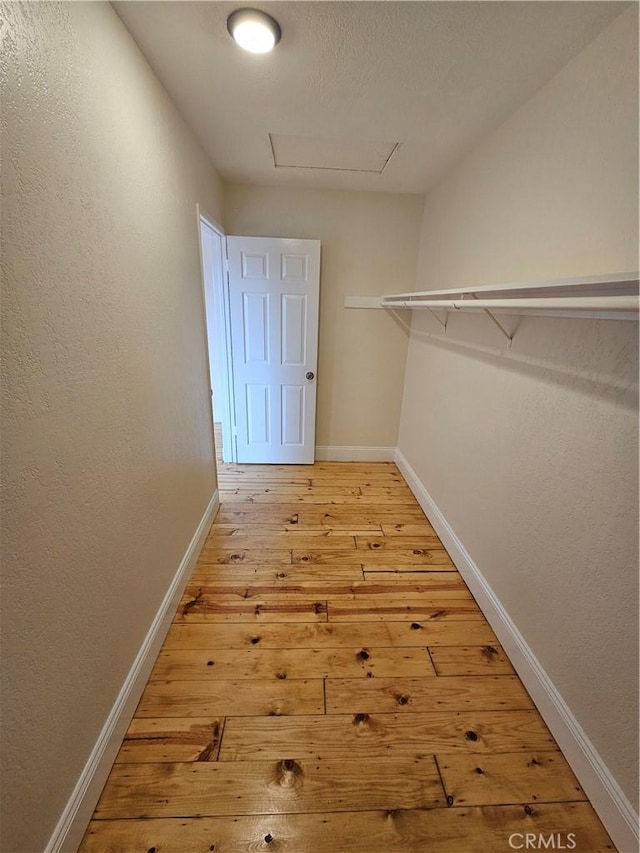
{"points": [[369, 247], [532, 454], [107, 438]]}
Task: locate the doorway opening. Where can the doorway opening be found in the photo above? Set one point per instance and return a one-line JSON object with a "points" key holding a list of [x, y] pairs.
{"points": [[262, 307], [216, 303]]}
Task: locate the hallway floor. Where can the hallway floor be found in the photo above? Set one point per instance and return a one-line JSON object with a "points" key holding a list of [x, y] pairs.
{"points": [[329, 685]]}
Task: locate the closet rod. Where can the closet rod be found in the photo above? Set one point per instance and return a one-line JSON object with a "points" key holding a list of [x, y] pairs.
{"points": [[573, 303]]}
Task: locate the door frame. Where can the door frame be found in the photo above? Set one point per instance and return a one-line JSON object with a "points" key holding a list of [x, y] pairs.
{"points": [[270, 372], [220, 298]]}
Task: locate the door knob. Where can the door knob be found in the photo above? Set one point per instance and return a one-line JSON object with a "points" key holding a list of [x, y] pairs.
{"points": [[311, 375]]}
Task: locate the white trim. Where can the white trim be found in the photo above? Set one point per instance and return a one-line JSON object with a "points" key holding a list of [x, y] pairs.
{"points": [[206, 330], [77, 813], [606, 796], [215, 296], [232, 454], [355, 454], [210, 220]]}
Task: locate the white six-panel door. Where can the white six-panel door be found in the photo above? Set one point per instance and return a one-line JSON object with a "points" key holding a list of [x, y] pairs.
{"points": [[274, 288]]}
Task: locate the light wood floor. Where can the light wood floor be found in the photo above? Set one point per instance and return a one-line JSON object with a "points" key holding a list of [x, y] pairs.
{"points": [[330, 686]]}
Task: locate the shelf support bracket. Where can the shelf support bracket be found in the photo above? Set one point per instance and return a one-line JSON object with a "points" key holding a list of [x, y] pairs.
{"points": [[496, 322], [492, 317], [443, 323]]}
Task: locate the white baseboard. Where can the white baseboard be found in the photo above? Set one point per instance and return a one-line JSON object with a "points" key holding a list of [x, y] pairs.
{"points": [[614, 809], [75, 818], [355, 454]]}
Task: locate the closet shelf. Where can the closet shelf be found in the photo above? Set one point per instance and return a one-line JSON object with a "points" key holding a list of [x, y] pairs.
{"points": [[612, 297]]}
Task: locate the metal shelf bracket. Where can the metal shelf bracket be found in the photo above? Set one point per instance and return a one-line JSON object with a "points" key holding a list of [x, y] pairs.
{"points": [[443, 323], [500, 326], [496, 322]]}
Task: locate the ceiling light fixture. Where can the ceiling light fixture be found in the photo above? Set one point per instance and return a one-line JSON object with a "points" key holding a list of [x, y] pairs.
{"points": [[253, 30]]}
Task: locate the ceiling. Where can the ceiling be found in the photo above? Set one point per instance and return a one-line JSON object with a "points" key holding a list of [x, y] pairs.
{"points": [[350, 79]]}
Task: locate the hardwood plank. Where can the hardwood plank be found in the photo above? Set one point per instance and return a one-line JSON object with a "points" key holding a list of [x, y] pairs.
{"points": [[365, 529], [372, 560], [207, 575], [394, 610], [329, 491], [311, 477], [285, 785], [287, 590], [267, 697], [372, 513], [391, 544], [429, 584], [362, 735], [509, 778], [239, 514], [256, 662], [420, 695], [243, 528], [329, 517], [212, 596], [172, 739], [408, 528], [198, 609], [325, 635], [228, 476], [375, 489], [471, 660], [227, 479], [370, 478], [460, 830], [257, 497], [415, 574], [388, 573], [256, 538], [223, 555]]}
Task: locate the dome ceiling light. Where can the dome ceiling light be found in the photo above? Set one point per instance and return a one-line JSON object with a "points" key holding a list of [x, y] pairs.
{"points": [[253, 30]]}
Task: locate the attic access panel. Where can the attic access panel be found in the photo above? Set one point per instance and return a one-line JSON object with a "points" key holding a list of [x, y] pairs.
{"points": [[342, 155]]}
